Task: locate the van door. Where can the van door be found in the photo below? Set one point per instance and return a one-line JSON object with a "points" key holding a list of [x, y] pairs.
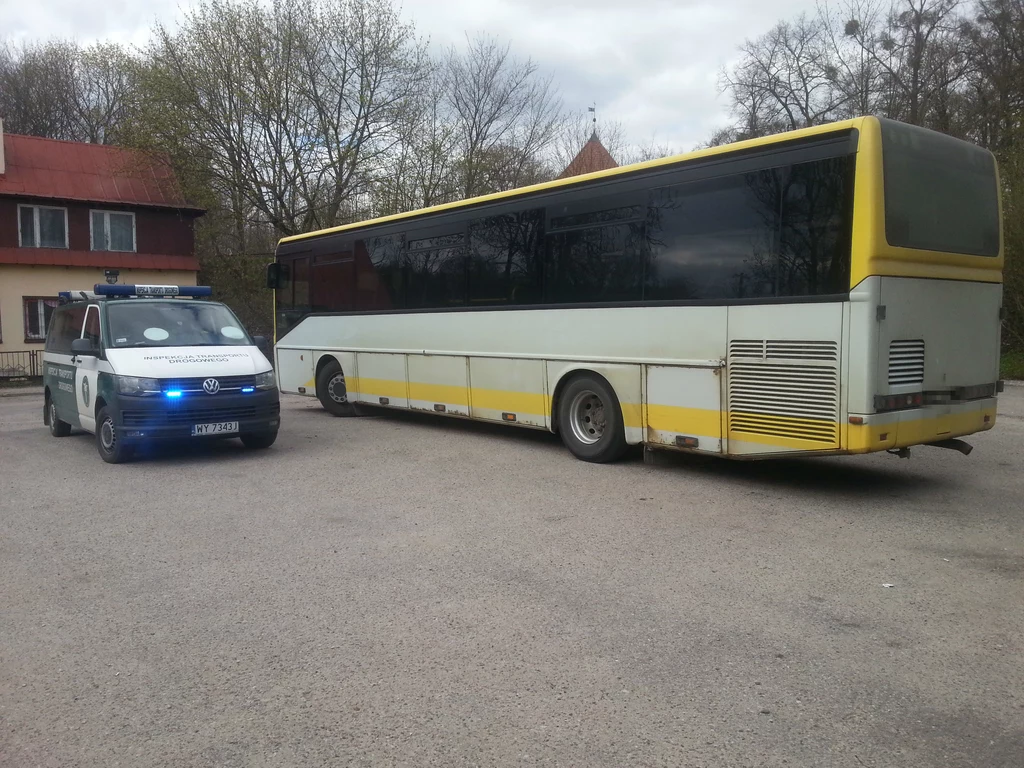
{"points": [[86, 372], [59, 372]]}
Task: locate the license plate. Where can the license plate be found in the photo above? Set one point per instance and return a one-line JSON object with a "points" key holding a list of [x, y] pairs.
{"points": [[218, 428]]}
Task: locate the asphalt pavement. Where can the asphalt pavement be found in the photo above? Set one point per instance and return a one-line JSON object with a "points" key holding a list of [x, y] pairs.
{"points": [[410, 591]]}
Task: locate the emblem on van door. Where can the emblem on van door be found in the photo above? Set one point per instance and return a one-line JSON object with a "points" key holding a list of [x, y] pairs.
{"points": [[85, 390], [211, 386]]}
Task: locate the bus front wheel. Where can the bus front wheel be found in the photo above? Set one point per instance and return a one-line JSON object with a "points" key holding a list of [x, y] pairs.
{"points": [[590, 420], [331, 390]]}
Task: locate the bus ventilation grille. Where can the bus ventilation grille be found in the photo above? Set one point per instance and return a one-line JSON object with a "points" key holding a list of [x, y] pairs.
{"points": [[787, 389], [906, 362]]}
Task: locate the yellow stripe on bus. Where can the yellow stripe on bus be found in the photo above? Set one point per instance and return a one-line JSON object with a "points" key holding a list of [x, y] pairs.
{"points": [[684, 421], [694, 421]]}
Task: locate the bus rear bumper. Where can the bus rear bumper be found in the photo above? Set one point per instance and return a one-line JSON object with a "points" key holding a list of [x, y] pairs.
{"points": [[919, 426]]}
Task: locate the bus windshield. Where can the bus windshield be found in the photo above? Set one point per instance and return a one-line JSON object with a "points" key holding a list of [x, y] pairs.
{"points": [[146, 323], [940, 192]]}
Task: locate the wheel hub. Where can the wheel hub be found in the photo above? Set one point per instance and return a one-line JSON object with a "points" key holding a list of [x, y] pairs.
{"points": [[108, 439], [336, 389], [587, 417]]}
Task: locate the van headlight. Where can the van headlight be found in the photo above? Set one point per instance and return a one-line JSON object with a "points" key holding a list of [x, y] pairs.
{"points": [[136, 385], [266, 380]]}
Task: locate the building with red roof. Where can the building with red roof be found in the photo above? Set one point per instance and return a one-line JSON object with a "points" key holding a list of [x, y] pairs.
{"points": [[593, 157], [68, 212]]}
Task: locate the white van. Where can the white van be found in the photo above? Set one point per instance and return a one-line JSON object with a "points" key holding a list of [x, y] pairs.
{"points": [[134, 363]]}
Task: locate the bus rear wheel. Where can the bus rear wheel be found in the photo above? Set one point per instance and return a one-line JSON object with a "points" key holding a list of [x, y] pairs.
{"points": [[590, 420], [331, 391]]}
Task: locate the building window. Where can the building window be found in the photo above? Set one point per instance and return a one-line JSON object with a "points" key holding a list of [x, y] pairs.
{"points": [[112, 231], [38, 311], [42, 227]]}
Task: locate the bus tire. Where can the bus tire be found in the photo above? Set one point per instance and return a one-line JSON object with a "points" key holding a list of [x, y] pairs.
{"points": [[590, 420], [111, 447], [331, 391], [58, 428]]}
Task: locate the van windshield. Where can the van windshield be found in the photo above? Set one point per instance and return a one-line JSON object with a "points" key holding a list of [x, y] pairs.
{"points": [[147, 323]]}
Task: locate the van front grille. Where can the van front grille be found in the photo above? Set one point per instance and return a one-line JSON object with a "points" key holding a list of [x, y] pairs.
{"points": [[228, 384], [186, 416]]}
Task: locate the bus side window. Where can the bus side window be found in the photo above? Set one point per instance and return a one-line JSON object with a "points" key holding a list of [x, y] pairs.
{"points": [[436, 278], [300, 282], [817, 209], [378, 273], [595, 264], [331, 288], [506, 256], [714, 239]]}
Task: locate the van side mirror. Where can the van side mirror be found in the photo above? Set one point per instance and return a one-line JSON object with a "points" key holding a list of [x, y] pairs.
{"points": [[84, 348], [261, 343]]}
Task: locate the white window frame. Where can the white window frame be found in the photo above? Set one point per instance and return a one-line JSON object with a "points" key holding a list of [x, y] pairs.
{"points": [[40, 302], [35, 225], [106, 232]]}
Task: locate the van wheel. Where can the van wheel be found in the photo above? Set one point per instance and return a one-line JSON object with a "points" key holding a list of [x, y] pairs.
{"points": [[259, 440], [58, 428], [331, 391], [590, 420], [111, 447]]}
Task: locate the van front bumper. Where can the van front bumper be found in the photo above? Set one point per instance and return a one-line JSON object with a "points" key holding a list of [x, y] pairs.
{"points": [[163, 418]]}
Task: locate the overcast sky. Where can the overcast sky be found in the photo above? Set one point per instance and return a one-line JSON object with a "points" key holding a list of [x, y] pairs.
{"points": [[652, 65]]}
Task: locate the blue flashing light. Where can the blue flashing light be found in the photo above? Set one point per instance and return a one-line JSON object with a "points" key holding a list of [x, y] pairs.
{"points": [[173, 393], [248, 389], [102, 289]]}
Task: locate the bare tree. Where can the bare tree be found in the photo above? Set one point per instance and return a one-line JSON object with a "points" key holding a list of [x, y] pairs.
{"points": [[59, 90], [912, 55], [505, 112], [785, 80], [289, 107]]}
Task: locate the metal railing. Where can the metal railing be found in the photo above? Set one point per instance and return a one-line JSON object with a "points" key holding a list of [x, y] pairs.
{"points": [[27, 364]]}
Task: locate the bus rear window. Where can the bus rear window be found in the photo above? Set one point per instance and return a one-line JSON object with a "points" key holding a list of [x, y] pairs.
{"points": [[940, 192]]}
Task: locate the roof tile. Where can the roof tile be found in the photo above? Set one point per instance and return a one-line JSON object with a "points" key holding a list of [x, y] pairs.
{"points": [[67, 170]]}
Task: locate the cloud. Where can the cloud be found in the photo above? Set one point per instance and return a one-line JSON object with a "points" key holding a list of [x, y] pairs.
{"points": [[651, 65]]}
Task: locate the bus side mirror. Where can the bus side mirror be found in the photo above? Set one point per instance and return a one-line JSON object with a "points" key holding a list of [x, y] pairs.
{"points": [[84, 348], [273, 276]]}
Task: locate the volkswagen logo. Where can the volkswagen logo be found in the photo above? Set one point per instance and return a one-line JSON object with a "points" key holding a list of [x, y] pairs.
{"points": [[211, 386]]}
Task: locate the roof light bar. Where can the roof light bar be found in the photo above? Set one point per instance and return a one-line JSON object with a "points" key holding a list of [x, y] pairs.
{"points": [[152, 290]]}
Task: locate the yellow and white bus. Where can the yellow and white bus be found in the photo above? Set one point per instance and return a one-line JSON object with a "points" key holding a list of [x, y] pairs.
{"points": [[832, 290]]}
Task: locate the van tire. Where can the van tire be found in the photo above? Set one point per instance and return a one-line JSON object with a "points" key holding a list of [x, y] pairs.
{"points": [[330, 389], [58, 428], [600, 439], [259, 440], [111, 447]]}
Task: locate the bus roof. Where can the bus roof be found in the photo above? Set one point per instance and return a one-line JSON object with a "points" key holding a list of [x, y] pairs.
{"points": [[586, 177]]}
